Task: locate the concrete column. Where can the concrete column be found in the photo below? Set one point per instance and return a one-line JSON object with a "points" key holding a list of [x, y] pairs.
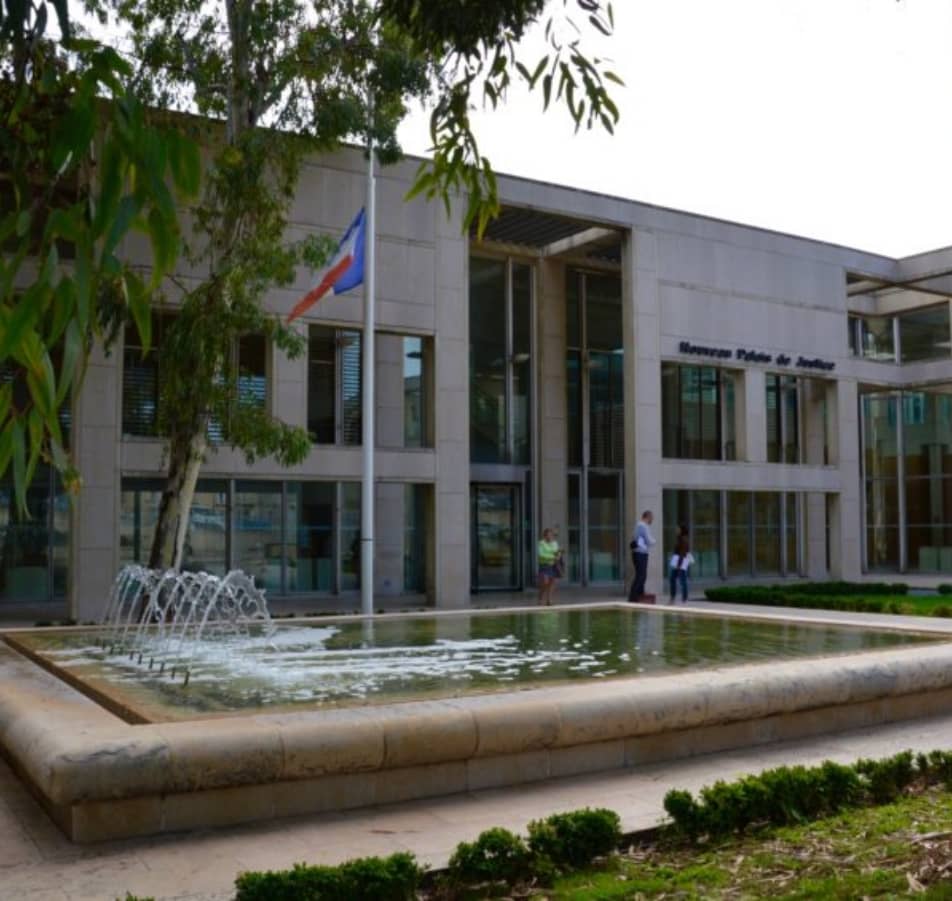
{"points": [[641, 328], [755, 406], [451, 415], [553, 413], [288, 384], [94, 547], [846, 527]]}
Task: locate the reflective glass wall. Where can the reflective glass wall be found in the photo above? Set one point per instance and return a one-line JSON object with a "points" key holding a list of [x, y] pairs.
{"points": [[594, 370], [34, 548], [697, 412], [293, 537], [736, 534], [907, 458]]}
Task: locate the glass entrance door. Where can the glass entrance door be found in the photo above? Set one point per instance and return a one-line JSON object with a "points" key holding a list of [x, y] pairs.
{"points": [[495, 537]]}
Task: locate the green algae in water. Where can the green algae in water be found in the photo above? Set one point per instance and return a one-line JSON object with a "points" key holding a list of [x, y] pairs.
{"points": [[363, 662]]}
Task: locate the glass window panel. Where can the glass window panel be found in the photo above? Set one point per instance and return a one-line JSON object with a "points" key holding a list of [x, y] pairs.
{"points": [[791, 532], [601, 407], [774, 434], [487, 360], [928, 501], [415, 406], [573, 383], [882, 502], [767, 532], [350, 536], [706, 533], [573, 552], [791, 419], [253, 370], [521, 361], [927, 433], [730, 416], [853, 327], [495, 543], [604, 527], [321, 383], [350, 383], [880, 435], [876, 338], [670, 410], [573, 329], [710, 399], [140, 378], [258, 535], [930, 548], [603, 312], [690, 385], [676, 509], [882, 547], [310, 532], [924, 334], [206, 543], [416, 501], [738, 533], [25, 543], [60, 537]]}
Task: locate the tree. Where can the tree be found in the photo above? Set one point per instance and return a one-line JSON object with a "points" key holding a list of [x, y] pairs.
{"points": [[283, 79], [80, 167]]}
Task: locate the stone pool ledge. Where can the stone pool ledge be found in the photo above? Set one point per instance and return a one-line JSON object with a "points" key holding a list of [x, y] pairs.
{"points": [[102, 778]]}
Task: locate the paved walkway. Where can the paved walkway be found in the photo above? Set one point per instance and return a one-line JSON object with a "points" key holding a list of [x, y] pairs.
{"points": [[38, 863]]}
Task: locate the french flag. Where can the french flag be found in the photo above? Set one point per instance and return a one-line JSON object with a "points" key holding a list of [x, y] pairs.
{"points": [[345, 271]]}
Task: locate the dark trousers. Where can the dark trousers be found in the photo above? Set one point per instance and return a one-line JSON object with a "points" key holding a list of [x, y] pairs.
{"points": [[641, 573], [676, 576]]}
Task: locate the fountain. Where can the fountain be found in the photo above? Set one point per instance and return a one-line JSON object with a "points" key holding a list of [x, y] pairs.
{"points": [[163, 614]]}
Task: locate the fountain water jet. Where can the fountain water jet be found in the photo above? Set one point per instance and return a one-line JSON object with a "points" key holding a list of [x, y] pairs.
{"points": [[164, 613]]}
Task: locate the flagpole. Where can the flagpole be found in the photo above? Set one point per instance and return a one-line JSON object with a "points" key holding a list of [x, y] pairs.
{"points": [[367, 411]]}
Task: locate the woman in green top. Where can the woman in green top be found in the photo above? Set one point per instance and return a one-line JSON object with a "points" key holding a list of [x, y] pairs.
{"points": [[550, 562]]}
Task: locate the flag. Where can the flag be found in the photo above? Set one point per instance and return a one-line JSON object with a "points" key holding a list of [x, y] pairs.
{"points": [[345, 271]]}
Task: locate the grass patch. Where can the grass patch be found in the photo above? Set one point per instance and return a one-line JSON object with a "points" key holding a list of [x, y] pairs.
{"points": [[898, 850]]}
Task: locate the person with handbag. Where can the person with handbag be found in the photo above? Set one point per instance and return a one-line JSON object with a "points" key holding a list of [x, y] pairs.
{"points": [[680, 564], [550, 566]]}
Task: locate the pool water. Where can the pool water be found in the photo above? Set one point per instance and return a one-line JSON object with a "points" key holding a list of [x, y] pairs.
{"points": [[354, 662]]}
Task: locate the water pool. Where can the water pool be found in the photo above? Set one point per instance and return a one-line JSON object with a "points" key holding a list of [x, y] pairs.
{"points": [[349, 663]]}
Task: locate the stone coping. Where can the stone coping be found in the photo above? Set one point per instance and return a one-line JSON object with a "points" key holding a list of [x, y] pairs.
{"points": [[74, 752]]}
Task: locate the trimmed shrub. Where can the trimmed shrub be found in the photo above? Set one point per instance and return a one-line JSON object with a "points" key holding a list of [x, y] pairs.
{"points": [[945, 588], [836, 595], [886, 779], [497, 855], [944, 610], [393, 878], [685, 812], [573, 840]]}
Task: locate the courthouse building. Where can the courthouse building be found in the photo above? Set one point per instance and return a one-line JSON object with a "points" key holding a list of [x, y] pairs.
{"points": [[592, 357]]}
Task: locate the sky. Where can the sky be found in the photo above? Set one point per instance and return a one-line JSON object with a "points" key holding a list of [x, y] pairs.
{"points": [[822, 118]]}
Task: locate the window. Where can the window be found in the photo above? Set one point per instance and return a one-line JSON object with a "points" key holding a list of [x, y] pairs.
{"points": [[416, 504], [877, 339], [500, 383], [925, 335], [206, 547], [882, 466], [34, 549], [404, 388], [595, 371], [783, 418], [700, 511], [140, 378], [698, 409], [334, 385]]}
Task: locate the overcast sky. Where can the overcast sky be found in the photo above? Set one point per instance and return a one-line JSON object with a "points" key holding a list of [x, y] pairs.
{"points": [[823, 118]]}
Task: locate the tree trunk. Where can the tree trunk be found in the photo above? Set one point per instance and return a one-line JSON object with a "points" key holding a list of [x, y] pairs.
{"points": [[185, 461]]}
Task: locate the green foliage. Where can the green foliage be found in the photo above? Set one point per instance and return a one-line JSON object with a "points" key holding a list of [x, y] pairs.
{"points": [[282, 80], [64, 214], [886, 779], [393, 878], [573, 840], [835, 595], [943, 610], [945, 588], [497, 855]]}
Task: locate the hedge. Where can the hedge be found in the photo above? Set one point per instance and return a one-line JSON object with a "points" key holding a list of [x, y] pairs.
{"points": [[787, 795], [846, 593], [945, 588], [393, 878]]}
